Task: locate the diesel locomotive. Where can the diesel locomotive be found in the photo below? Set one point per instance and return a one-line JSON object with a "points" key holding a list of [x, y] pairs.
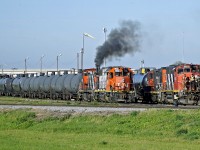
{"points": [[179, 84]]}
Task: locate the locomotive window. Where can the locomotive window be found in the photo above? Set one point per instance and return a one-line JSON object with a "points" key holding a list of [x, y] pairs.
{"points": [[186, 69], [118, 74], [151, 76], [125, 73], [110, 75], [194, 69], [180, 70]]}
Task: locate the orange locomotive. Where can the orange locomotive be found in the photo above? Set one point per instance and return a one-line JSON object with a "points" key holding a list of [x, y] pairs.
{"points": [[108, 84], [179, 84]]}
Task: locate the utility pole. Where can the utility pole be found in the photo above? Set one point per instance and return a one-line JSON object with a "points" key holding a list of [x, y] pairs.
{"points": [[25, 61], [105, 30], [57, 60], [41, 62], [77, 61]]}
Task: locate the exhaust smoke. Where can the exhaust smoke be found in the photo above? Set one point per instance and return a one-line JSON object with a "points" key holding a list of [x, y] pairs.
{"points": [[120, 41]]}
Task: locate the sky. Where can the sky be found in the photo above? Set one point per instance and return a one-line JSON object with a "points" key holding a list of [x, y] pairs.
{"points": [[170, 31]]}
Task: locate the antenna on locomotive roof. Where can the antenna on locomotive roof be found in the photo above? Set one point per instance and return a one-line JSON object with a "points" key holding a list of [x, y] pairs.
{"points": [[142, 64]]}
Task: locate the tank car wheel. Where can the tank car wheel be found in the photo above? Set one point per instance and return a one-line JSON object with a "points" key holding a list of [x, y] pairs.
{"points": [[57, 96], [53, 97], [67, 97], [63, 97]]}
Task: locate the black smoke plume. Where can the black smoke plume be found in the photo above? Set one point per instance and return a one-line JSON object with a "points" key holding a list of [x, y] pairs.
{"points": [[121, 41]]}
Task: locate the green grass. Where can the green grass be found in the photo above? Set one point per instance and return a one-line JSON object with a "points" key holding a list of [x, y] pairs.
{"points": [[4, 100], [153, 129]]}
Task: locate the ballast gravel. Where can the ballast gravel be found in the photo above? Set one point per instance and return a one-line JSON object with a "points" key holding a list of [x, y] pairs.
{"points": [[75, 109]]}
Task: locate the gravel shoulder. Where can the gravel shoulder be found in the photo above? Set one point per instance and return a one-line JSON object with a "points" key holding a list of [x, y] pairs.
{"points": [[74, 110]]}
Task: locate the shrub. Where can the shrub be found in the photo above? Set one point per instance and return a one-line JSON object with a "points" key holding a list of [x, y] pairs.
{"points": [[134, 113], [104, 142], [182, 132]]}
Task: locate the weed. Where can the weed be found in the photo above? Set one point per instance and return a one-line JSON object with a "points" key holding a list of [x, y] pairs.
{"points": [[65, 117], [104, 142], [193, 136], [68, 103], [179, 117], [181, 132], [134, 113]]}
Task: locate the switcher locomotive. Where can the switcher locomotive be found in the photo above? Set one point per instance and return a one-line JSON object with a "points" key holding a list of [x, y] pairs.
{"points": [[179, 84]]}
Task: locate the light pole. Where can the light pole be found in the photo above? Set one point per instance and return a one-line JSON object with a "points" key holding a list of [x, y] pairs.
{"points": [[82, 50], [25, 61], [77, 61], [41, 62], [57, 60], [1, 69], [105, 30], [13, 69]]}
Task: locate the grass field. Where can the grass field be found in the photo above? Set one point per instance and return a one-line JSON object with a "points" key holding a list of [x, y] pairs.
{"points": [[153, 129]]}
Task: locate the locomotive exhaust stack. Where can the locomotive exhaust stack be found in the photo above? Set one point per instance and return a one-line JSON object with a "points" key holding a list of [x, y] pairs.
{"points": [[97, 75], [97, 69]]}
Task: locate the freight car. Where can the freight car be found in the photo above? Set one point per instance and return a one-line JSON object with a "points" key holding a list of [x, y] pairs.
{"points": [[53, 85]]}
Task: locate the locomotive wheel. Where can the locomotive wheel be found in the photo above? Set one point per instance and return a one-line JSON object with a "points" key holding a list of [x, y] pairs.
{"points": [[96, 97], [85, 97]]}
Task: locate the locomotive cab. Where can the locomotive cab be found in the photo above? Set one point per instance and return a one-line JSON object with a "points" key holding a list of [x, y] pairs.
{"points": [[119, 79], [114, 84]]}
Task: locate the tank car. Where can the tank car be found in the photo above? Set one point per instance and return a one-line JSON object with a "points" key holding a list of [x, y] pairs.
{"points": [[6, 85], [142, 86], [17, 84]]}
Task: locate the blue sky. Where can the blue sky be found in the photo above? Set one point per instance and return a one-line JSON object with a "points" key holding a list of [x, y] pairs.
{"points": [[31, 28]]}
